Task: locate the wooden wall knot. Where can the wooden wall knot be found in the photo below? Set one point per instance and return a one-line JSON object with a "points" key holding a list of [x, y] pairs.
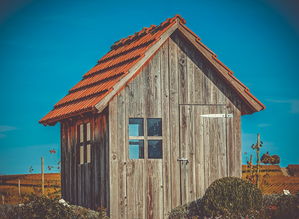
{"points": [[182, 60], [130, 168]]}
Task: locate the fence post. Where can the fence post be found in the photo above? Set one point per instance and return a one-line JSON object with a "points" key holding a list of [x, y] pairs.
{"points": [[19, 186], [43, 176]]}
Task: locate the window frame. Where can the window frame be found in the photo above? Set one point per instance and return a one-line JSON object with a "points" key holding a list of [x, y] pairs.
{"points": [[145, 138], [84, 146]]}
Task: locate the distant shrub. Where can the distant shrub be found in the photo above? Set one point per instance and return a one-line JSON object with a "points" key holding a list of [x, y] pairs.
{"points": [[9, 211], [42, 206], [37, 207], [281, 206], [231, 196]]}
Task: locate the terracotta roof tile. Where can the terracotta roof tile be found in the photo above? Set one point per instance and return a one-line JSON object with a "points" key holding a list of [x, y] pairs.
{"points": [[273, 181], [112, 67], [107, 72], [276, 184]]}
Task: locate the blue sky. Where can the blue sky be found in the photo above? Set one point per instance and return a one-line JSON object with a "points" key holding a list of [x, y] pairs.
{"points": [[46, 46]]}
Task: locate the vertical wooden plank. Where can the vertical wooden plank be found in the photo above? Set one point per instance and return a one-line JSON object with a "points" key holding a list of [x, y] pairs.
{"points": [[122, 144], [156, 185], [191, 81], [86, 184], [74, 182], [107, 159], [183, 151], [95, 161], [206, 146], [191, 193], [102, 161], [89, 186], [155, 71], [222, 142], [113, 168], [135, 196], [199, 151], [70, 169], [230, 143], [79, 183], [182, 72], [213, 90], [63, 159], [188, 183], [144, 90], [152, 87], [165, 129], [91, 164], [173, 123], [237, 143], [83, 185], [137, 96], [234, 142], [154, 189], [198, 78], [213, 145]]}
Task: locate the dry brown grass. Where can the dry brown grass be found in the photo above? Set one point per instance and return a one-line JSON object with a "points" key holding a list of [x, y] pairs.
{"points": [[30, 183]]}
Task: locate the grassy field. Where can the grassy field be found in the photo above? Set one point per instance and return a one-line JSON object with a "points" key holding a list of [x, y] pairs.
{"points": [[272, 181], [30, 183]]}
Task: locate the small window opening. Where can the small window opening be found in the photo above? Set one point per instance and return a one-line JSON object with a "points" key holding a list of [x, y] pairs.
{"points": [[84, 139], [145, 134]]}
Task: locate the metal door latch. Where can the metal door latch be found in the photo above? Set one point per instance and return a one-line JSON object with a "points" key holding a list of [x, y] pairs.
{"points": [[183, 159]]}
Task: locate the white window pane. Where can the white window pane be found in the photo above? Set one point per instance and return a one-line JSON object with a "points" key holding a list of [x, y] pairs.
{"points": [[88, 131], [88, 151], [81, 133], [81, 154]]}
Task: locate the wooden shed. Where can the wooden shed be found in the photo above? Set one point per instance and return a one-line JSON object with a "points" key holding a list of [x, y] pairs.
{"points": [[151, 125]]}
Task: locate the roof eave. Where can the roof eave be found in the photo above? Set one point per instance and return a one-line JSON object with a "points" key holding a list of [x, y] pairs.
{"points": [[53, 121]]}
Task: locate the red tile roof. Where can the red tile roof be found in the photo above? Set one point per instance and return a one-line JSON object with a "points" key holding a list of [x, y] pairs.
{"points": [[276, 184], [98, 82], [272, 180], [272, 170]]}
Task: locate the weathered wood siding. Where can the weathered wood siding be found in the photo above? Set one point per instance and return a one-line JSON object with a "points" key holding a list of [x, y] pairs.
{"points": [[177, 78], [86, 184]]}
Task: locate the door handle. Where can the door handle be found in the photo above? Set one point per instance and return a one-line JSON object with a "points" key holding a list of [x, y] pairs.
{"points": [[183, 159]]}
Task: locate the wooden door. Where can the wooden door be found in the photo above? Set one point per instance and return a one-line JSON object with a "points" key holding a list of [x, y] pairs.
{"points": [[203, 148]]}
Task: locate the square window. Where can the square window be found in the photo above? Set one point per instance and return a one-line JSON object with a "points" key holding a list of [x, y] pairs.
{"points": [[154, 127], [136, 149], [136, 127], [155, 149]]}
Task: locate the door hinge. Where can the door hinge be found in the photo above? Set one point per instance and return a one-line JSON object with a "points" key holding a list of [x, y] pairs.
{"points": [[217, 115]]}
